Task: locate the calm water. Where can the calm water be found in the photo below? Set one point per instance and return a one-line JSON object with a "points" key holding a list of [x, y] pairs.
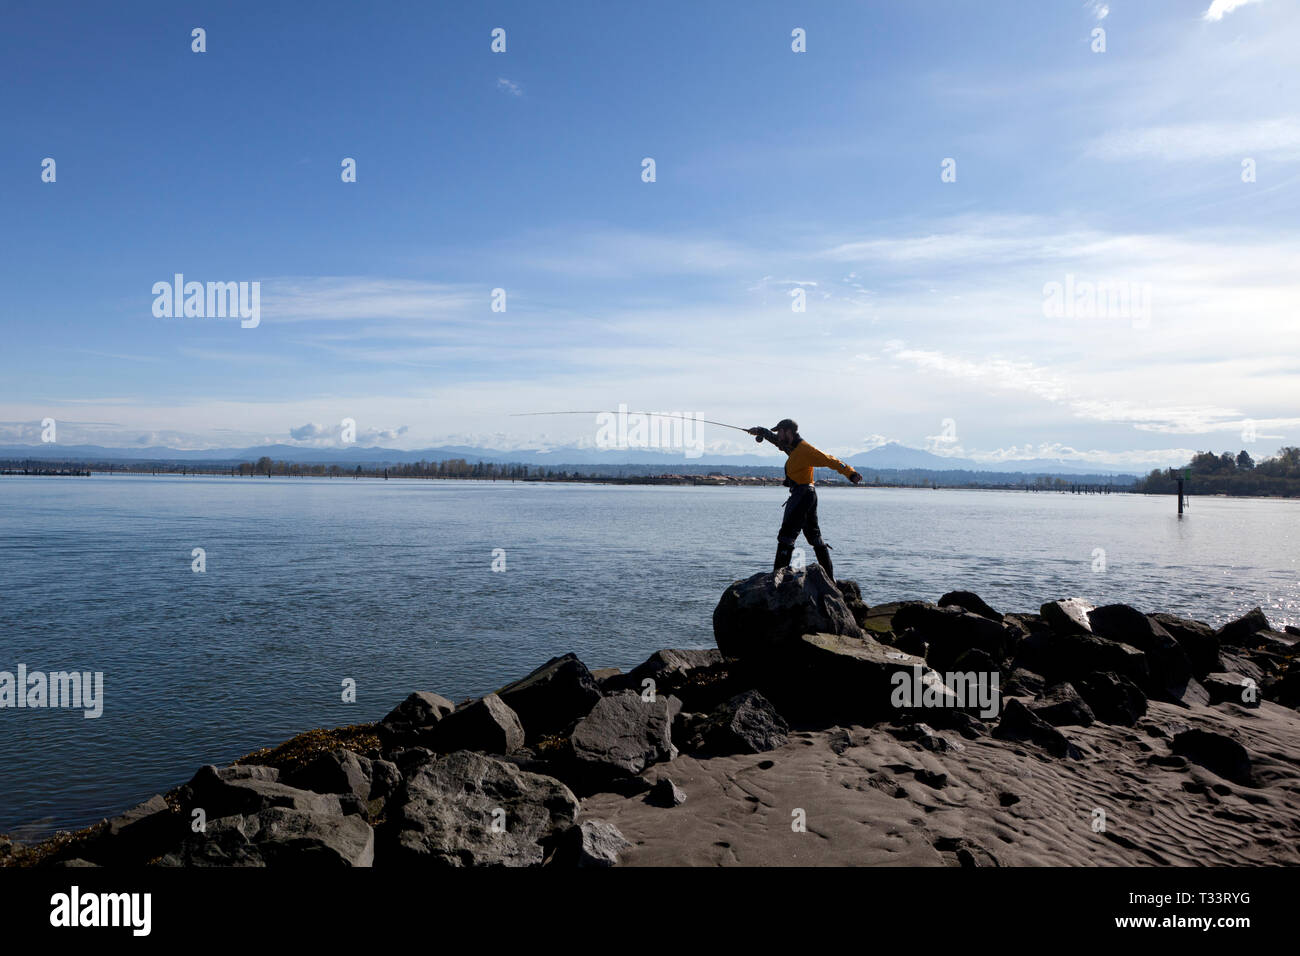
{"points": [[313, 581]]}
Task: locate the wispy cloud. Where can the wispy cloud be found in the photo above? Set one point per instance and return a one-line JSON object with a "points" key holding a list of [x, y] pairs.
{"points": [[1221, 8], [1278, 138], [508, 86]]}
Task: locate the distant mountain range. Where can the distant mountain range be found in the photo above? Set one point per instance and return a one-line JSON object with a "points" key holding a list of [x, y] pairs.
{"points": [[886, 457]]}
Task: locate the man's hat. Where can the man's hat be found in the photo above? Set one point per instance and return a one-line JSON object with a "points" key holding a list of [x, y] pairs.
{"points": [[786, 423]]}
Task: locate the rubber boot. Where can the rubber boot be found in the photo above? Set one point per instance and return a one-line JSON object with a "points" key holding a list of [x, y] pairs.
{"points": [[823, 552], [783, 554]]}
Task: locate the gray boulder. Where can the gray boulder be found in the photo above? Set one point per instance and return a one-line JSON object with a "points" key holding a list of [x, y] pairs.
{"points": [[1197, 639], [139, 835], [485, 724], [1169, 672], [470, 810], [279, 837], [1232, 689], [670, 670], [950, 631], [552, 697], [1113, 698], [248, 789], [1065, 657], [409, 723], [1019, 723], [745, 724], [1241, 632], [594, 843], [665, 793], [624, 734], [1061, 706], [969, 601], [1068, 616], [1216, 752], [857, 679], [756, 616]]}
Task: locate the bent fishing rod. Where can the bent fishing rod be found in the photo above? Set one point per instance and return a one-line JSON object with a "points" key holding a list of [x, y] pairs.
{"points": [[689, 418]]}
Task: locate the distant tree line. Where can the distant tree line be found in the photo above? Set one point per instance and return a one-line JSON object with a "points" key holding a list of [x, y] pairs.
{"points": [[1229, 474]]}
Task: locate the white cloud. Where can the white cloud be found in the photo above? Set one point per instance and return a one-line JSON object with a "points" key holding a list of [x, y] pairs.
{"points": [[317, 436], [507, 86], [363, 298], [1221, 8], [1278, 138]]}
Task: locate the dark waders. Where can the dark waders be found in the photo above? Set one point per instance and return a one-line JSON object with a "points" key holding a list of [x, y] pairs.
{"points": [[801, 515]]}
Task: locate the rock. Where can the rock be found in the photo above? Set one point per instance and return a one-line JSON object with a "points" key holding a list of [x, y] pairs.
{"points": [[1113, 698], [950, 631], [934, 779], [1062, 706], [1285, 690], [410, 722], [665, 793], [1216, 752], [1292, 630], [410, 757], [1169, 672], [601, 675], [1023, 683], [1233, 689], [249, 789], [1241, 632], [1197, 639], [1274, 642], [846, 679], [339, 771], [764, 611], [1069, 616], [486, 724], [840, 741], [853, 600], [624, 734], [470, 810], [1065, 657], [969, 601], [1019, 723], [969, 726], [139, 835], [552, 697], [745, 724], [385, 778], [975, 661], [672, 671], [909, 642], [926, 736], [594, 843], [1239, 661], [280, 837], [878, 621]]}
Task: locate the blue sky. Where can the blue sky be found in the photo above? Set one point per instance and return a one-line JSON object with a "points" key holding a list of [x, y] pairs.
{"points": [[775, 171]]}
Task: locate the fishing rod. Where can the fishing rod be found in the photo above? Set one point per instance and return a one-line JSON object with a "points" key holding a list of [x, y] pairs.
{"points": [[689, 418]]}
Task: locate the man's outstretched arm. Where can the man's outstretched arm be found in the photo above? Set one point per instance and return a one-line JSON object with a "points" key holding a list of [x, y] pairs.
{"points": [[764, 433], [823, 460]]}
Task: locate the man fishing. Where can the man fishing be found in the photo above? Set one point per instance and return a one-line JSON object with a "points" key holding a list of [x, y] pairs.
{"points": [[801, 506]]}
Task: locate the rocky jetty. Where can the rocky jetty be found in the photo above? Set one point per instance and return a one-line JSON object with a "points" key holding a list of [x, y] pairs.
{"points": [[822, 729]]}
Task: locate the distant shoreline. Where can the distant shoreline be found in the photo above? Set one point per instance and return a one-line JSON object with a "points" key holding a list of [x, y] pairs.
{"points": [[668, 479]]}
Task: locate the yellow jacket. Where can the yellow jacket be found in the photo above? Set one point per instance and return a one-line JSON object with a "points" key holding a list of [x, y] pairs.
{"points": [[804, 458]]}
